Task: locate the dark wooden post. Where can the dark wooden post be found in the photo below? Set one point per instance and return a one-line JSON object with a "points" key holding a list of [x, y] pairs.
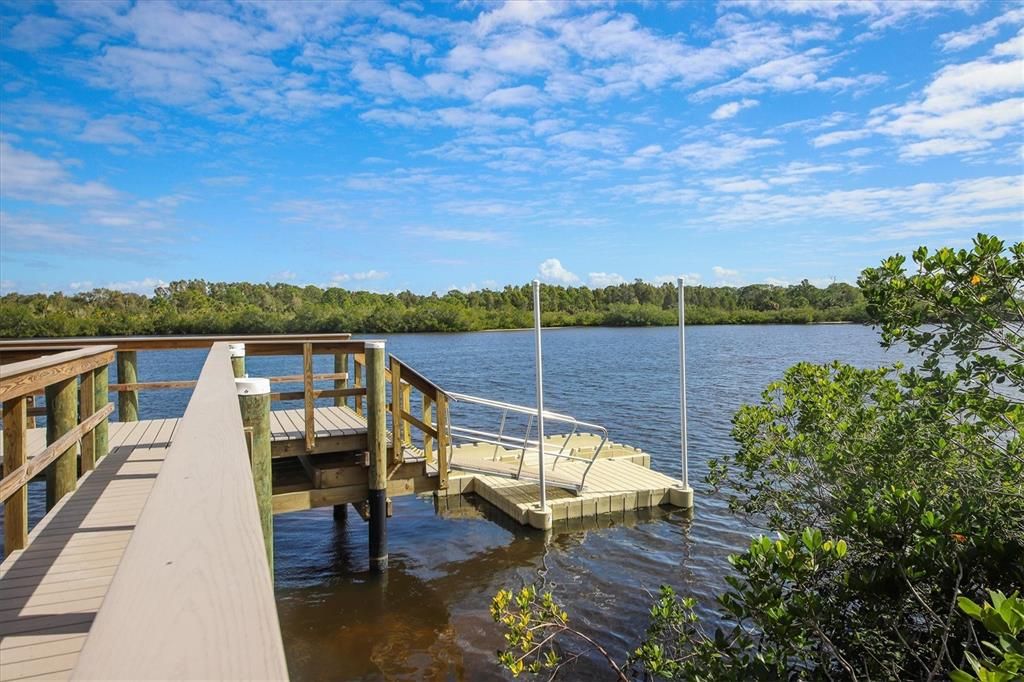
{"points": [[101, 388], [61, 417], [127, 373], [15, 454], [340, 367], [376, 436], [237, 352], [254, 401]]}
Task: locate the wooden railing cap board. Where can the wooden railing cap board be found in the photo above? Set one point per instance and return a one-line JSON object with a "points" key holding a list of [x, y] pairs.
{"points": [[163, 342], [29, 376], [192, 597]]}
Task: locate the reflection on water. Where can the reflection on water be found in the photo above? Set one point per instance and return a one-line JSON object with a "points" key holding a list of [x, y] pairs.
{"points": [[428, 618]]}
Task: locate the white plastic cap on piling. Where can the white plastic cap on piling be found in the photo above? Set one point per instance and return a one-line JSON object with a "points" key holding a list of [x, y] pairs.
{"points": [[236, 350], [252, 386], [374, 344]]}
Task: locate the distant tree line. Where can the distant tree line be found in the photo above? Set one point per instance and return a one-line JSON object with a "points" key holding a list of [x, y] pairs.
{"points": [[201, 307]]}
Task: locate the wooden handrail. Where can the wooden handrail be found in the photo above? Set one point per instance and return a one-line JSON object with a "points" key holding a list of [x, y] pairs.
{"points": [[28, 376], [27, 471], [161, 342], [154, 385], [204, 587]]}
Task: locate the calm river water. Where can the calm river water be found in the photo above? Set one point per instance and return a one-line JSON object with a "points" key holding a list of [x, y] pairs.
{"points": [[428, 618]]}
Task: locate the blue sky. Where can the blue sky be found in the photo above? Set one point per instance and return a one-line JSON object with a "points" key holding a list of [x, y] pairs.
{"points": [[439, 146]]}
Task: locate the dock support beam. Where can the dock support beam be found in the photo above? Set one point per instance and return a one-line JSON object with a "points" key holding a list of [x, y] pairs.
{"points": [[101, 391], [15, 455], [61, 417], [127, 373], [376, 436], [237, 353], [254, 402]]}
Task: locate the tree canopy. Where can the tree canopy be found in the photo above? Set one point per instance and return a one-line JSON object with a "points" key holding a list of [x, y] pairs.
{"points": [[200, 307]]}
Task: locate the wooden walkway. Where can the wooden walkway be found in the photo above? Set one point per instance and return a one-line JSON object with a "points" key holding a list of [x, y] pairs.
{"points": [[51, 591]]}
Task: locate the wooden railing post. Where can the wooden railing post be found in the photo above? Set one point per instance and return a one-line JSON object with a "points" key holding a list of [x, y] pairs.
{"points": [[127, 373], [15, 454], [376, 437], [237, 353], [407, 409], [254, 402], [397, 429], [442, 441], [101, 382], [61, 417], [308, 402], [86, 407], [357, 381], [340, 367], [428, 419]]}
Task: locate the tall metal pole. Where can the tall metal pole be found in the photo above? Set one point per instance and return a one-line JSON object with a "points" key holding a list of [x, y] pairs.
{"points": [[540, 393], [682, 383]]}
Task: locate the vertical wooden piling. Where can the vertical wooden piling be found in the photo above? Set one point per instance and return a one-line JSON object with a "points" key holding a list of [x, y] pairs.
{"points": [[340, 367], [61, 417], [86, 406], [101, 384], [254, 402], [15, 454], [341, 512], [376, 436], [237, 352], [127, 373]]}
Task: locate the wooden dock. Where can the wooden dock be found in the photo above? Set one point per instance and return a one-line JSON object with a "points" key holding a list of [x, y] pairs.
{"points": [[152, 559]]}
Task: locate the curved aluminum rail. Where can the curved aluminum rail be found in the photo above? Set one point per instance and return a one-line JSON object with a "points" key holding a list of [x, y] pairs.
{"points": [[526, 445]]}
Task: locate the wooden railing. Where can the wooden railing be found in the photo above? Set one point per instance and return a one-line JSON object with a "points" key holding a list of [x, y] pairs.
{"points": [[127, 388], [75, 384], [195, 574], [432, 424]]}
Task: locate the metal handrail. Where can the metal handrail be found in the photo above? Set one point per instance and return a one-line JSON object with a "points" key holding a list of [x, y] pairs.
{"points": [[526, 445]]}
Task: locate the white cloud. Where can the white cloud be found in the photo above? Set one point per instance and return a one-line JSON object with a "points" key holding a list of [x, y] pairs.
{"points": [[839, 137], [117, 130], [453, 235], [368, 276], [690, 278], [960, 40], [520, 96], [137, 286], [725, 276], [604, 279], [24, 175], [963, 109], [730, 109], [552, 270]]}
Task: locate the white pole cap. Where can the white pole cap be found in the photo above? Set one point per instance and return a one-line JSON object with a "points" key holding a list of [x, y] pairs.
{"points": [[252, 386], [374, 344], [236, 350]]}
